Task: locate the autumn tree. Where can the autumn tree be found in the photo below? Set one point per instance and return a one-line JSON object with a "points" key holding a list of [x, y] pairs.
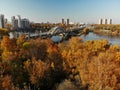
{"points": [[7, 84], [8, 47], [21, 40], [56, 60], [7, 44], [38, 71], [86, 30]]}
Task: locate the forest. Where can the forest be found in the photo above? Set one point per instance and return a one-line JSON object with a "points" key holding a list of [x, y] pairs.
{"points": [[39, 64]]}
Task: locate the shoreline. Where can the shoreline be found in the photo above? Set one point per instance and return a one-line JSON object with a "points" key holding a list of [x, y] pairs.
{"points": [[107, 32]]}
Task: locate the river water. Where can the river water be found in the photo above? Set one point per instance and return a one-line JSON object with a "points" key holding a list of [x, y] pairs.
{"points": [[93, 36], [90, 36]]}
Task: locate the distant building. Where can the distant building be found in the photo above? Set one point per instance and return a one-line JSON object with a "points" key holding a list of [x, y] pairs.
{"points": [[106, 21], [5, 21], [2, 23], [68, 21], [63, 21], [14, 22], [100, 21], [110, 21], [25, 23], [19, 21]]}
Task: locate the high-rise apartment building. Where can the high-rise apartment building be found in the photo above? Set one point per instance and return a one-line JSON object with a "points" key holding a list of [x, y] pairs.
{"points": [[68, 21], [110, 21], [106, 21], [100, 21], [5, 21], [2, 23], [63, 21], [14, 22], [25, 23], [19, 21]]}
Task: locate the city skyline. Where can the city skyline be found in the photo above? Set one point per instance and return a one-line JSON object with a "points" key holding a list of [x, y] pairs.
{"points": [[88, 11]]}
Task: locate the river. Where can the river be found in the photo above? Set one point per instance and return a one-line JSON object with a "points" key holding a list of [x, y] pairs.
{"points": [[93, 36]]}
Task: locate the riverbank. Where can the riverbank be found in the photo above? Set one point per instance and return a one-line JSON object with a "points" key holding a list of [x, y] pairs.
{"points": [[107, 32], [110, 30]]}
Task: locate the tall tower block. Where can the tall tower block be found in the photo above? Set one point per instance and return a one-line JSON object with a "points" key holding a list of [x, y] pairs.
{"points": [[100, 21], [68, 21], [106, 21], [63, 21], [110, 21]]}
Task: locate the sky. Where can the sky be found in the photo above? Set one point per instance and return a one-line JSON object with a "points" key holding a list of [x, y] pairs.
{"points": [[82, 11]]}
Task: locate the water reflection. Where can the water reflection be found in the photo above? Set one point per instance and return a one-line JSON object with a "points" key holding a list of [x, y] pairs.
{"points": [[93, 36]]}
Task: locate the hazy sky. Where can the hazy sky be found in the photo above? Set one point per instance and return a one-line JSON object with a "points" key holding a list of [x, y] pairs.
{"points": [[53, 10]]}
